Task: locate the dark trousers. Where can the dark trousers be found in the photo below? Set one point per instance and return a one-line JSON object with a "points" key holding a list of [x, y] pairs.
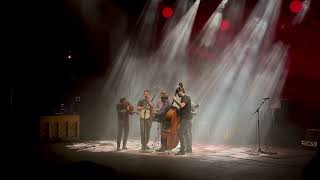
{"points": [[163, 140], [145, 126], [189, 141], [164, 126], [123, 126], [184, 137]]}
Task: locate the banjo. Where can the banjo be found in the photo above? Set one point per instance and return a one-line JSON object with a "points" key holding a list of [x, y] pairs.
{"points": [[146, 112]]}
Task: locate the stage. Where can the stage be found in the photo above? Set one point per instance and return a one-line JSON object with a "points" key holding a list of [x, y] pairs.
{"points": [[100, 159]]}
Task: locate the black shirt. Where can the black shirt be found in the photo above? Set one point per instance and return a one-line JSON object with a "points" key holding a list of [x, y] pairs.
{"points": [[122, 109], [185, 112]]}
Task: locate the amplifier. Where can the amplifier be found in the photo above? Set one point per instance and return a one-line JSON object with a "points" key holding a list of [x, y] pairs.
{"points": [[59, 128], [311, 138], [310, 143]]}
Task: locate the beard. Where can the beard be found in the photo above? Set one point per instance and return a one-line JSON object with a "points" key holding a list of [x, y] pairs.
{"points": [[163, 101]]}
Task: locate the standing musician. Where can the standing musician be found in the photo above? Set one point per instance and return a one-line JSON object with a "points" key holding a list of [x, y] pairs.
{"points": [[162, 108], [185, 115], [145, 107], [124, 109]]}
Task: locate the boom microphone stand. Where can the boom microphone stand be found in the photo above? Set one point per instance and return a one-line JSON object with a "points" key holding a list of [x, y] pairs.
{"points": [[258, 119], [144, 127]]}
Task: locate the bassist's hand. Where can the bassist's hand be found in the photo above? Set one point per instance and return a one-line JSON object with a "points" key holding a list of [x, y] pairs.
{"points": [[174, 98]]}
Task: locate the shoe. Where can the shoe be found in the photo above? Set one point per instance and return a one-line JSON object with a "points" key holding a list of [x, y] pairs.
{"points": [[118, 149], [147, 147], [124, 148], [180, 153], [189, 151]]}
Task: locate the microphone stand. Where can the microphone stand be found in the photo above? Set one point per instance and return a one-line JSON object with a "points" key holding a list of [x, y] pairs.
{"points": [[144, 127], [144, 119], [144, 150], [258, 119]]}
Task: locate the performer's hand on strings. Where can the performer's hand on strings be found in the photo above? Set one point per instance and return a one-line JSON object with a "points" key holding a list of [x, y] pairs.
{"points": [[174, 98]]}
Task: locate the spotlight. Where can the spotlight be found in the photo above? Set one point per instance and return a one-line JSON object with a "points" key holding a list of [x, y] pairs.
{"points": [[167, 12], [296, 6], [69, 55], [225, 25]]}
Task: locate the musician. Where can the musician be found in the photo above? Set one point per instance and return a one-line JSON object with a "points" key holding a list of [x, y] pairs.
{"points": [[123, 109], [162, 108], [145, 121], [185, 115]]}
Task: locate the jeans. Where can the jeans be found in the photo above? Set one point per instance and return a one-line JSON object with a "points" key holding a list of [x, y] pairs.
{"points": [[183, 133], [189, 140], [122, 126], [145, 126]]}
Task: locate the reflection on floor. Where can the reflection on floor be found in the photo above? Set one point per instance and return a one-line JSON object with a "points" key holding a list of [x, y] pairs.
{"points": [[200, 151]]}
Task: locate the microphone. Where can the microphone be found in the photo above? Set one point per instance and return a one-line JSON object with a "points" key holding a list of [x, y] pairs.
{"points": [[177, 90], [264, 99]]}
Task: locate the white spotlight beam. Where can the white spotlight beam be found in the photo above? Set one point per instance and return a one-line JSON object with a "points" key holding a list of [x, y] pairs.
{"points": [[234, 79], [300, 16], [207, 36]]}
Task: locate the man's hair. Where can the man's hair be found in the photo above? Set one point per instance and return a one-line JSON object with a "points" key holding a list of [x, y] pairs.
{"points": [[123, 99], [146, 91], [163, 93], [181, 89]]}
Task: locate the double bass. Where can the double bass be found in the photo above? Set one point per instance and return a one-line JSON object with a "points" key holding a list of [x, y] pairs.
{"points": [[170, 134]]}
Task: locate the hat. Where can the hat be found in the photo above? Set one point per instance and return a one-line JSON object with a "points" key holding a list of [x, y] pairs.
{"points": [[163, 93], [123, 99]]}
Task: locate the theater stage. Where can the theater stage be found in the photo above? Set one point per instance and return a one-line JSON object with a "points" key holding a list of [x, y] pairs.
{"points": [[99, 159]]}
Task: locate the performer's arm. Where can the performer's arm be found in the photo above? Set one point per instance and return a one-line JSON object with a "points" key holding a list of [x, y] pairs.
{"points": [[159, 106], [180, 104], [162, 108], [119, 109], [130, 108], [194, 108], [150, 105], [139, 106]]}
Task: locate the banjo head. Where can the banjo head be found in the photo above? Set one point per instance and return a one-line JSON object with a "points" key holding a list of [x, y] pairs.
{"points": [[145, 114]]}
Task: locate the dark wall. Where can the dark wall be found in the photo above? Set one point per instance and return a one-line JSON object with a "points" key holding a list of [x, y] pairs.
{"points": [[43, 32]]}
